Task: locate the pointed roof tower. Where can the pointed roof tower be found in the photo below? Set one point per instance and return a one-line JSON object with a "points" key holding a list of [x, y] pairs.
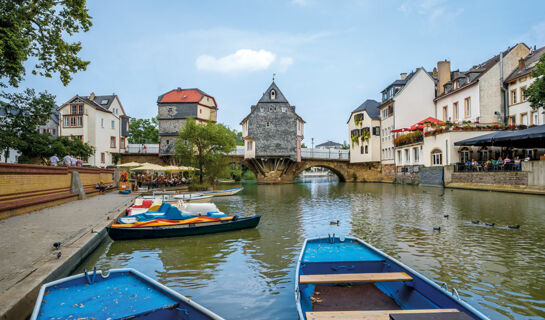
{"points": [[273, 94]]}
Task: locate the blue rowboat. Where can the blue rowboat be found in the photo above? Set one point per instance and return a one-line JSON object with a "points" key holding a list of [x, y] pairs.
{"points": [[122, 294], [349, 279]]}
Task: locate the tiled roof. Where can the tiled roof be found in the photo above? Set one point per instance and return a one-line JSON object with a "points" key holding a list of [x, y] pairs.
{"points": [[182, 95], [279, 96], [329, 144], [400, 82], [371, 107], [529, 64]]}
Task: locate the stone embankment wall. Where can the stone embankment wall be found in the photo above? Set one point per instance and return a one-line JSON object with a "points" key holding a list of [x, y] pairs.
{"points": [[25, 187], [517, 178], [432, 176]]}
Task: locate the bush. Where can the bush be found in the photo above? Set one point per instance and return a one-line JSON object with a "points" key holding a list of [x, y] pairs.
{"points": [[200, 187], [248, 175]]}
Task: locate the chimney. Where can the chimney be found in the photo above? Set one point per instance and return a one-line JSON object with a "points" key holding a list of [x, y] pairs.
{"points": [[435, 73], [179, 89], [521, 64], [443, 69], [403, 76], [92, 96]]}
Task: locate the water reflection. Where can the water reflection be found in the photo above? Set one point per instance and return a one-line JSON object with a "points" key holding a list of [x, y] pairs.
{"points": [[241, 274]]}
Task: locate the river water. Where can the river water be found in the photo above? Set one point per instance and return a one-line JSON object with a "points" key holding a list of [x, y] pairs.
{"points": [[249, 274]]}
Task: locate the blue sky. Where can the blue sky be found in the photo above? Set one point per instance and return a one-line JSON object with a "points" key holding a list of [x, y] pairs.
{"points": [[329, 56]]}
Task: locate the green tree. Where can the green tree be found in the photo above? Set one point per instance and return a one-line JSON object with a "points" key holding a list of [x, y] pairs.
{"points": [[143, 131], [44, 145], [345, 145], [37, 29], [238, 138], [204, 146], [536, 92], [21, 114]]}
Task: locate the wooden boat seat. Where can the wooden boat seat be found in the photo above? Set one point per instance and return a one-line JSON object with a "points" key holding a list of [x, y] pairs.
{"points": [[369, 315], [354, 277]]}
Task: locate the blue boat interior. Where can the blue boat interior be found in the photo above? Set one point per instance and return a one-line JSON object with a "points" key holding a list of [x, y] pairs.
{"points": [[121, 295], [331, 261]]}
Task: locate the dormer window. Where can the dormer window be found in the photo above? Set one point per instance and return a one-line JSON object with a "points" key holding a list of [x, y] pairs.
{"points": [[273, 94]]}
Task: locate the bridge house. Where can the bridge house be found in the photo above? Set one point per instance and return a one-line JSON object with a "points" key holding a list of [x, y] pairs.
{"points": [[175, 107], [272, 132]]}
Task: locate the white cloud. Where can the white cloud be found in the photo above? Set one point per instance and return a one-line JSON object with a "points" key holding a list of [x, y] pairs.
{"points": [[242, 60]]}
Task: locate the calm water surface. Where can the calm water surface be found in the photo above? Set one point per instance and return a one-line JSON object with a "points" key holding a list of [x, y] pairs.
{"points": [[250, 274]]}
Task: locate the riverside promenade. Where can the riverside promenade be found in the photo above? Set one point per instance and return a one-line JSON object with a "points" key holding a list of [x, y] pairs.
{"points": [[28, 258]]}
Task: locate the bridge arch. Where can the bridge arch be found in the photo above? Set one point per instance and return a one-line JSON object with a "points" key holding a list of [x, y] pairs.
{"points": [[310, 164]]}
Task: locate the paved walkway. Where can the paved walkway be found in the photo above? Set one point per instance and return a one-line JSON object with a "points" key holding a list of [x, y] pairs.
{"points": [[499, 188], [26, 241]]}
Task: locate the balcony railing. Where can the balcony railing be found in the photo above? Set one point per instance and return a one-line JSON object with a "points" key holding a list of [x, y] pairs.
{"points": [[409, 138], [143, 148], [309, 153]]}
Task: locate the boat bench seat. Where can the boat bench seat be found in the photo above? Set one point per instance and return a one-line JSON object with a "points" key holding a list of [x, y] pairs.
{"points": [[354, 277], [369, 314]]}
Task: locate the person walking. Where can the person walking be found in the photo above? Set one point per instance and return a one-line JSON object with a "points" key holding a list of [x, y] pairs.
{"points": [[73, 161], [67, 160], [54, 160]]}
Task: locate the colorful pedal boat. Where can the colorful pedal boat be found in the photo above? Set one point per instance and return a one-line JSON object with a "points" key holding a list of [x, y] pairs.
{"points": [[167, 212], [122, 294], [181, 229], [350, 279]]}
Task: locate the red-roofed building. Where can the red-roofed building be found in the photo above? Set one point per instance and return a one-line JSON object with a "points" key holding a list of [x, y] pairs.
{"points": [[175, 107]]}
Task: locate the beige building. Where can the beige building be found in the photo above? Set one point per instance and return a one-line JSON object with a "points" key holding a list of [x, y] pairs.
{"points": [[476, 95], [364, 132], [404, 102], [520, 111], [99, 121]]}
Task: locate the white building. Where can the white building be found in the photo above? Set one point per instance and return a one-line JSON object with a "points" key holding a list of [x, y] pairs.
{"points": [[364, 132], [99, 121], [520, 111], [404, 102], [476, 95]]}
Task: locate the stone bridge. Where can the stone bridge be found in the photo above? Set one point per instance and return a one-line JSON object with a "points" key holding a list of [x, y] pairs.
{"points": [[279, 171]]}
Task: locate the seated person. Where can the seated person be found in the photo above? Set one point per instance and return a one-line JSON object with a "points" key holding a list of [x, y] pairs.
{"points": [[101, 187], [506, 160], [517, 162]]}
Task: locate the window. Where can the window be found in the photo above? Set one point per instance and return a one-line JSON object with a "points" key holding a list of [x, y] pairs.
{"points": [[407, 156], [534, 116], [73, 121], [105, 101], [376, 131], [445, 113], [513, 120], [467, 107], [249, 145], [76, 109], [436, 157], [361, 149], [273, 94], [53, 131], [112, 142], [102, 123], [113, 124], [384, 113], [283, 109], [484, 154], [455, 110], [168, 142], [464, 155], [524, 118], [513, 96], [122, 143], [200, 111], [366, 149], [268, 124], [102, 157], [399, 158], [415, 154], [523, 93]]}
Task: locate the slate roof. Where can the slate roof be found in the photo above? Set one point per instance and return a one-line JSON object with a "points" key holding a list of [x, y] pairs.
{"points": [[329, 144], [180, 95], [96, 102], [371, 107], [400, 82], [279, 96], [530, 62]]}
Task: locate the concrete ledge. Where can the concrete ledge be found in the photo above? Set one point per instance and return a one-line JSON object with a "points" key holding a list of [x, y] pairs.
{"points": [[498, 187], [18, 301]]}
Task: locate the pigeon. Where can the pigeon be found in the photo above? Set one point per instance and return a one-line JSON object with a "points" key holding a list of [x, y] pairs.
{"points": [[57, 245], [59, 255]]}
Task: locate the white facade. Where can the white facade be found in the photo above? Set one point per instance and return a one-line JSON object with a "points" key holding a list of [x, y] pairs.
{"points": [[459, 106], [409, 155], [99, 126], [366, 150], [520, 111]]}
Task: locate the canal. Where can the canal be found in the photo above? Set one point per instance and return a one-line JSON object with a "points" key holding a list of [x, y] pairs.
{"points": [[250, 274]]}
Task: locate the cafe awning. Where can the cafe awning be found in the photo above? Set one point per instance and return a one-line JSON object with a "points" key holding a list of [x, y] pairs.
{"points": [[533, 137], [485, 140]]}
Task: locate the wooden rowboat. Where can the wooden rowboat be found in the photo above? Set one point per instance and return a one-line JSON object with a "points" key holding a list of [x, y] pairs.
{"points": [[349, 279], [122, 294], [182, 230]]}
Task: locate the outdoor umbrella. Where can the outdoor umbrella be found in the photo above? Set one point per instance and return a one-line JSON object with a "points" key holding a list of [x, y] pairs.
{"points": [[149, 167], [533, 137], [485, 140]]}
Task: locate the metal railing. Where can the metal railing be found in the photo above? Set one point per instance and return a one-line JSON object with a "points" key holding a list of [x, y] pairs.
{"points": [[309, 153], [143, 148]]}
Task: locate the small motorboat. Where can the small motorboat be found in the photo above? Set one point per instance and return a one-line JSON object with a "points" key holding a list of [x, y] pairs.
{"points": [[222, 193], [349, 279], [122, 294], [161, 228]]}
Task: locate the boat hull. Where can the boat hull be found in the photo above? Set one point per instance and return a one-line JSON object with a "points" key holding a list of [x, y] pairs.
{"points": [[182, 230], [326, 264]]}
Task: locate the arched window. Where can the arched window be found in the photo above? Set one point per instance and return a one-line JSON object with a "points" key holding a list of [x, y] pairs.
{"points": [[273, 94], [436, 157], [464, 154]]}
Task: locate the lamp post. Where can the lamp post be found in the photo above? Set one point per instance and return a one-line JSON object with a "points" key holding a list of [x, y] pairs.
{"points": [[312, 148]]}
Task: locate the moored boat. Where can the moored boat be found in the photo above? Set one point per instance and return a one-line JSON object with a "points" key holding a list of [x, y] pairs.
{"points": [[350, 279], [222, 193], [122, 294], [181, 229]]}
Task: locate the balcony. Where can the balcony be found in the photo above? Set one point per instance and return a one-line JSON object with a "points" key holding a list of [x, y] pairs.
{"points": [[409, 138]]}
